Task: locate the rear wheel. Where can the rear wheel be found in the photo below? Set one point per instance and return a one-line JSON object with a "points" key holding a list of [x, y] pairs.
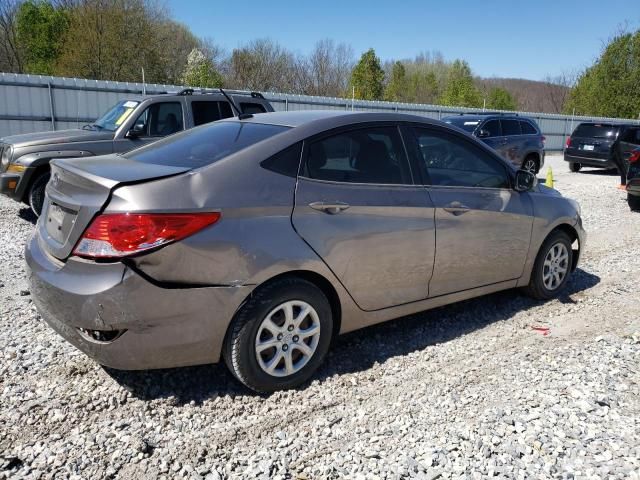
{"points": [[531, 164], [552, 268], [575, 166], [634, 202], [36, 192], [280, 336]]}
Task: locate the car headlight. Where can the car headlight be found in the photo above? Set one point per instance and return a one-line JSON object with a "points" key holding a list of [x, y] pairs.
{"points": [[7, 151]]}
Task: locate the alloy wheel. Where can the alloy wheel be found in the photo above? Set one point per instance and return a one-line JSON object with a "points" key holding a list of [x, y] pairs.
{"points": [[556, 266], [529, 165], [287, 338]]}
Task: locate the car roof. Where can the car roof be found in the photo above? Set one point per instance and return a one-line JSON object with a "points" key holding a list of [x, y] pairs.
{"points": [[482, 116], [305, 117]]}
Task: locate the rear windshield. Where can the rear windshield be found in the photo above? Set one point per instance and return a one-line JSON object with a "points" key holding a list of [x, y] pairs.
{"points": [[468, 124], [595, 131], [204, 145]]}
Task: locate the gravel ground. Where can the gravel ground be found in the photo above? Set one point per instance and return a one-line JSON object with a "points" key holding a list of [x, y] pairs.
{"points": [[466, 391]]}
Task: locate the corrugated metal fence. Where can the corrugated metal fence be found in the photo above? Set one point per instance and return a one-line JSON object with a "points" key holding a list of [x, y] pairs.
{"points": [[32, 103]]}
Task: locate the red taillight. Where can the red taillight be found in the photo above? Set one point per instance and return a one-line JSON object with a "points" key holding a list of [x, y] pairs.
{"points": [[635, 156], [568, 142], [116, 235], [543, 138]]}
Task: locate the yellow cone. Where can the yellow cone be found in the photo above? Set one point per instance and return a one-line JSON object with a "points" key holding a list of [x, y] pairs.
{"points": [[549, 181]]}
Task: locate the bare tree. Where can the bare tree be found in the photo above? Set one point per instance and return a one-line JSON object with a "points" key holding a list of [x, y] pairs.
{"points": [[263, 65], [558, 89], [326, 71], [10, 54]]}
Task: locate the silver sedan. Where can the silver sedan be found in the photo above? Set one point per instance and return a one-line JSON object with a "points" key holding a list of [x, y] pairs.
{"points": [[258, 239]]}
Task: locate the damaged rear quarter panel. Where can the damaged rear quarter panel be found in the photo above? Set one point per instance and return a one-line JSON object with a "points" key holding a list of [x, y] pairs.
{"points": [[254, 239]]}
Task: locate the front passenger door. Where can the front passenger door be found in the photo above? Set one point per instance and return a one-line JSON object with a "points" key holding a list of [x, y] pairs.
{"points": [[157, 121], [483, 226]]}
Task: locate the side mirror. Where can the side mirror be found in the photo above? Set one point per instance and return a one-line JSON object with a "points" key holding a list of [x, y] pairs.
{"points": [[525, 181], [135, 131], [484, 133]]}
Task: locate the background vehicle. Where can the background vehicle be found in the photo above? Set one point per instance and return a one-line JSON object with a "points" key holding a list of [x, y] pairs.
{"points": [[258, 239], [131, 123], [600, 145], [633, 180], [518, 139]]}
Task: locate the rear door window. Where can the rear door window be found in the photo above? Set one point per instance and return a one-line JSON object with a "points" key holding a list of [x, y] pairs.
{"points": [[511, 127], [590, 130], [493, 127], [204, 145], [365, 155], [527, 128]]}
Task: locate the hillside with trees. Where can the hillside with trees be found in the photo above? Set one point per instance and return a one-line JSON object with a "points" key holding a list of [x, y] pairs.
{"points": [[116, 39]]}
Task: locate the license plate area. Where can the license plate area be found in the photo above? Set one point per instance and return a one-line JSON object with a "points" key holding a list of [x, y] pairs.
{"points": [[59, 222], [588, 148]]}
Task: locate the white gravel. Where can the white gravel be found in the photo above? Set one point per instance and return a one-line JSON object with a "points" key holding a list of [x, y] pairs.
{"points": [[466, 391]]}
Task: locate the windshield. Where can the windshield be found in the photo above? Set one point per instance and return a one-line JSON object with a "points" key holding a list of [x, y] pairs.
{"points": [[115, 116], [466, 124], [595, 131], [204, 145]]}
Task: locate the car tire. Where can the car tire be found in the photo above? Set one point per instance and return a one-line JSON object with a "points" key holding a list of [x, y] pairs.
{"points": [[263, 337], [634, 202], [36, 192], [530, 163], [575, 166], [552, 267]]}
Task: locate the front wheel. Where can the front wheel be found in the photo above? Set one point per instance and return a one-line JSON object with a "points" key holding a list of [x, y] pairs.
{"points": [[634, 202], [552, 268], [36, 192], [280, 336], [575, 167]]}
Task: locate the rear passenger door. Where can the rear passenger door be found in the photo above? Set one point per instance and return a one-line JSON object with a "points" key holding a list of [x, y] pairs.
{"points": [[495, 139], [483, 226], [513, 141], [357, 207]]}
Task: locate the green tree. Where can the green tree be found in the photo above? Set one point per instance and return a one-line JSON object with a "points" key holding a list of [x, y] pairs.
{"points": [[611, 87], [460, 90], [200, 71], [397, 86], [367, 77], [40, 31], [500, 99]]}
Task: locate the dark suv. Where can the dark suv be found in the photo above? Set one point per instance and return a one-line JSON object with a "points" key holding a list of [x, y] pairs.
{"points": [[602, 145], [518, 139], [132, 122]]}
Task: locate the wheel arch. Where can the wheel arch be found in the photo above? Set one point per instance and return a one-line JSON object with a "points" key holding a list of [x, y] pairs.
{"points": [[575, 238], [314, 278]]}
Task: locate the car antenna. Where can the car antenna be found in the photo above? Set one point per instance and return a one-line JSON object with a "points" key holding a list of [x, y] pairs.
{"points": [[241, 116]]}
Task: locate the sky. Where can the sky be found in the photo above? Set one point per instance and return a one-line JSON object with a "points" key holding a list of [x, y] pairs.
{"points": [[519, 39]]}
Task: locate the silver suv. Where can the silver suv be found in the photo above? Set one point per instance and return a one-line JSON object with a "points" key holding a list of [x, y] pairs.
{"points": [[132, 122], [517, 139]]}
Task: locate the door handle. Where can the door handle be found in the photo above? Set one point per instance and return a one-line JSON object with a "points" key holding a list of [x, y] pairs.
{"points": [[330, 208], [456, 208]]}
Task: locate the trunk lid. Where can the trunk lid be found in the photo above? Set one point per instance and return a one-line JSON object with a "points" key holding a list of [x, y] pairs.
{"points": [[80, 188]]}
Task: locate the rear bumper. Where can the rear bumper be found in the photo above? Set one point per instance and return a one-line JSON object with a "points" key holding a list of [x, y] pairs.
{"points": [[160, 327], [590, 162]]}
